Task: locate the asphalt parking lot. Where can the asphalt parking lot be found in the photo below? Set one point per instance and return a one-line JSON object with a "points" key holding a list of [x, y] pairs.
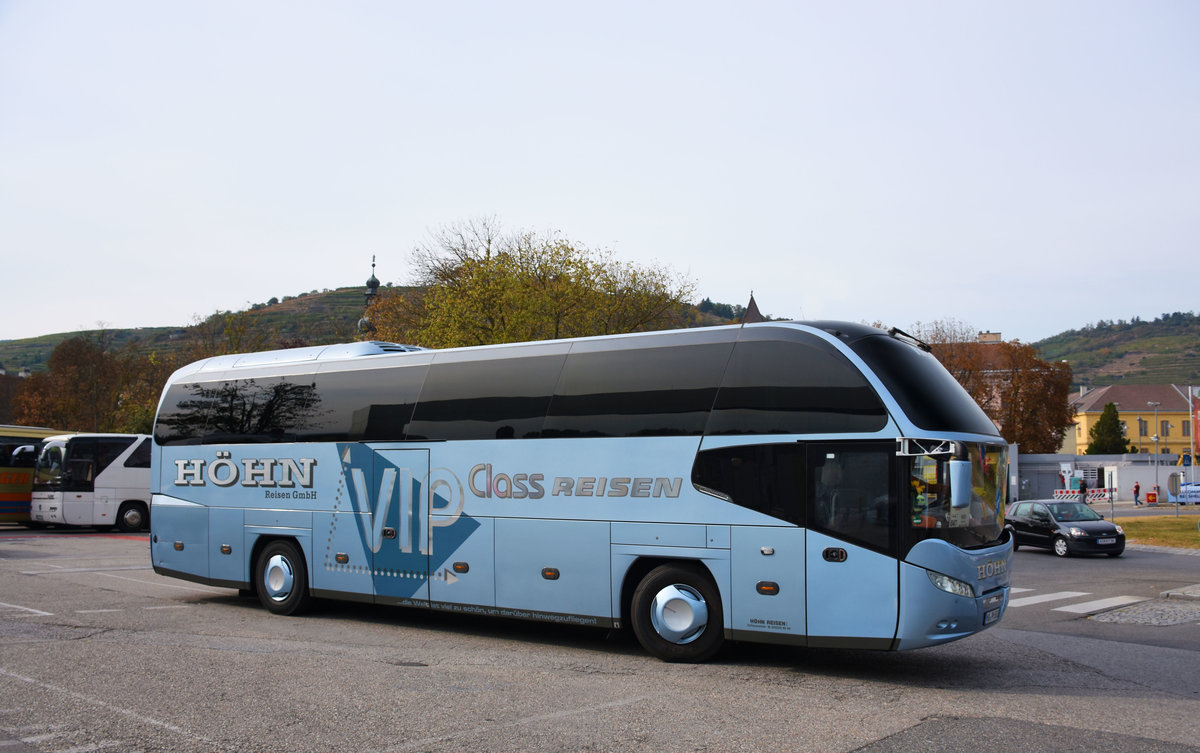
{"points": [[103, 654]]}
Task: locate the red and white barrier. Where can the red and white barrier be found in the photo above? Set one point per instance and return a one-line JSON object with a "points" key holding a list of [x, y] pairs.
{"points": [[1093, 495]]}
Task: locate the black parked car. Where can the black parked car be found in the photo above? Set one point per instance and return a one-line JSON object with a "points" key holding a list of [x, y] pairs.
{"points": [[1066, 528]]}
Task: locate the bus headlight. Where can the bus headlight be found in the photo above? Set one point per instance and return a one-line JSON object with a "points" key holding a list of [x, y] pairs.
{"points": [[951, 585]]}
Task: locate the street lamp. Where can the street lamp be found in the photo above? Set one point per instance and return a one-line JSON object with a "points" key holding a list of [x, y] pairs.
{"points": [[1155, 405]]}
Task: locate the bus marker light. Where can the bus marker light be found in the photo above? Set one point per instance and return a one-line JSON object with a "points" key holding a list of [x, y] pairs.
{"points": [[767, 551], [341, 558], [461, 567], [179, 546], [226, 549], [550, 573], [767, 588]]}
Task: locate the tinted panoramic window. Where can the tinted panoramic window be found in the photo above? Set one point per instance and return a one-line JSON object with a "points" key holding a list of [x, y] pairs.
{"points": [[182, 417], [661, 391], [366, 404], [252, 409], [927, 393], [493, 398], [766, 478], [793, 387]]}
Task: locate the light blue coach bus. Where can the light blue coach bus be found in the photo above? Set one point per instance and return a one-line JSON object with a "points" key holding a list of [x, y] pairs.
{"points": [[805, 483]]}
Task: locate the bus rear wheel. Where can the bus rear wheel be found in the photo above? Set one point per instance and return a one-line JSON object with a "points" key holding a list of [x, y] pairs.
{"points": [[676, 613], [132, 517], [281, 579]]}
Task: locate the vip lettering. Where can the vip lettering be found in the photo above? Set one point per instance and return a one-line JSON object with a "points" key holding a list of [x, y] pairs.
{"points": [[225, 472], [416, 502]]}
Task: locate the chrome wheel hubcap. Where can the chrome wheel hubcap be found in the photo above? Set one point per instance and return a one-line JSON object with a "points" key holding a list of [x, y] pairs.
{"points": [[278, 578], [679, 613]]}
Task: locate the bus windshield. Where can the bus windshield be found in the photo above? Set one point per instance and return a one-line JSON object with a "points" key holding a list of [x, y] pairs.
{"points": [[931, 516], [930, 397], [47, 474]]}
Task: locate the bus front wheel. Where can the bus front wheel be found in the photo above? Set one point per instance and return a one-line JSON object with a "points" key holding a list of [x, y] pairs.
{"points": [[281, 579], [676, 613], [132, 517]]}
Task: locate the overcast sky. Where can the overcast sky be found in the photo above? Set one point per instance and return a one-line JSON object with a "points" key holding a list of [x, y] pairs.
{"points": [[1021, 167]]}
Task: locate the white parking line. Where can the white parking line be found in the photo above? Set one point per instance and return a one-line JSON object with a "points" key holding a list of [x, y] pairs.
{"points": [[105, 705], [85, 570], [1099, 605], [1025, 601], [30, 612], [90, 747]]}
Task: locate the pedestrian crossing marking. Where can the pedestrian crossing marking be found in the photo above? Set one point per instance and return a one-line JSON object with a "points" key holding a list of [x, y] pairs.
{"points": [[1099, 605], [1042, 598]]}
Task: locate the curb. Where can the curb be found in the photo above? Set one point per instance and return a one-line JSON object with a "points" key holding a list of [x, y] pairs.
{"points": [[1187, 592]]}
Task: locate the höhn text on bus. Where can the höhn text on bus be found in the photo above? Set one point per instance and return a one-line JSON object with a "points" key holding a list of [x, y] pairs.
{"points": [[807, 483]]}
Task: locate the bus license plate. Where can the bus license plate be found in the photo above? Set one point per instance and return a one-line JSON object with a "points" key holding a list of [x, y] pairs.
{"points": [[991, 616], [1106, 541]]}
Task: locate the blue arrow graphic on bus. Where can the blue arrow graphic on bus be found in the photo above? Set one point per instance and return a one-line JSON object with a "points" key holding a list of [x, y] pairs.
{"points": [[356, 459]]}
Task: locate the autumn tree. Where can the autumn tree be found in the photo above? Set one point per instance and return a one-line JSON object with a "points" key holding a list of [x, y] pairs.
{"points": [[956, 346], [1026, 396], [1033, 409], [91, 386], [78, 390], [225, 332], [10, 386], [1106, 437], [477, 285]]}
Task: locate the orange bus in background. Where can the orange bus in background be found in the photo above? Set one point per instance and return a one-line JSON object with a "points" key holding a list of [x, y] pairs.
{"points": [[19, 446]]}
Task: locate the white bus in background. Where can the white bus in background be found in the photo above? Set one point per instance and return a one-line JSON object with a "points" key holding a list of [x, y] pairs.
{"points": [[93, 480]]}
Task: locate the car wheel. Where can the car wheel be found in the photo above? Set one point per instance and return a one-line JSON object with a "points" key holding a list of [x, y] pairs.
{"points": [[676, 613], [1061, 548], [281, 578]]}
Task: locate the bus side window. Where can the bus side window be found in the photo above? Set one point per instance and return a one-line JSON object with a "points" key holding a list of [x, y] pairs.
{"points": [[140, 457], [777, 387], [636, 392], [851, 492], [502, 398], [765, 478], [109, 449]]}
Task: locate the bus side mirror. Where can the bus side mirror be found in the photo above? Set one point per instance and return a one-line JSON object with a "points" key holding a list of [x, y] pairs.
{"points": [[960, 484]]}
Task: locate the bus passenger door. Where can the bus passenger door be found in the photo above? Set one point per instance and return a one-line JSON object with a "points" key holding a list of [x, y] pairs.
{"points": [[852, 582], [400, 536]]}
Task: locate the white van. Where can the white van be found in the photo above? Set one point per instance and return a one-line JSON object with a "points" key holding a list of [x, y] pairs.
{"points": [[93, 480]]}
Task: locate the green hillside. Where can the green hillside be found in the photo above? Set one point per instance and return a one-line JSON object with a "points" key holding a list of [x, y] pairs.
{"points": [[315, 318], [1166, 350], [1163, 351]]}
